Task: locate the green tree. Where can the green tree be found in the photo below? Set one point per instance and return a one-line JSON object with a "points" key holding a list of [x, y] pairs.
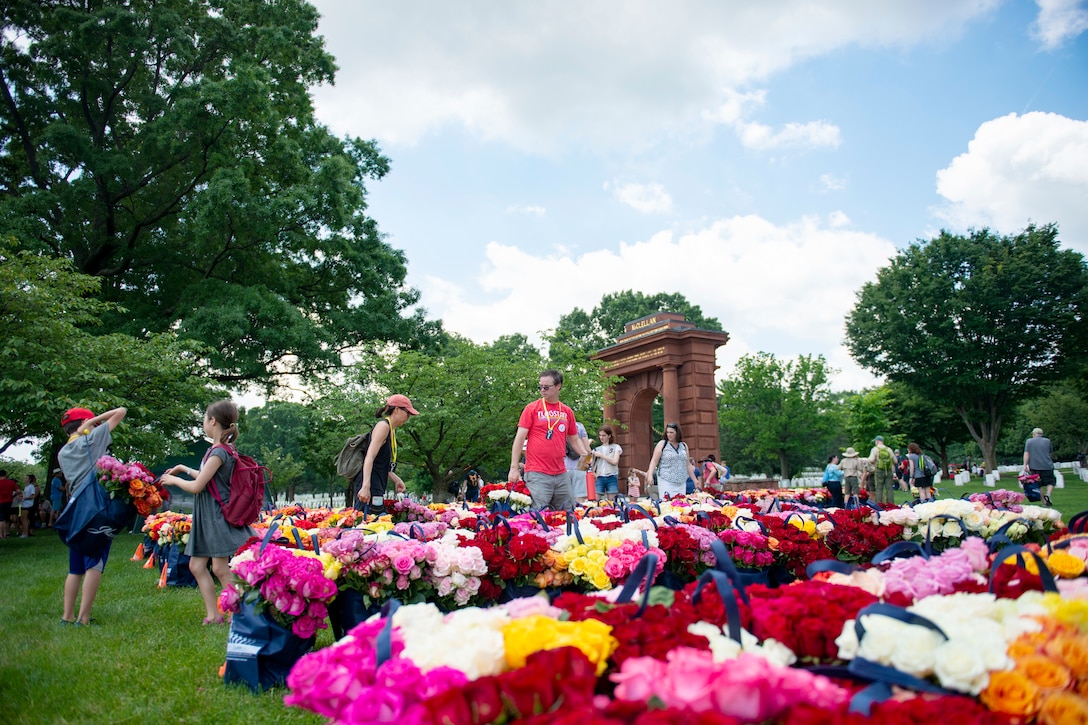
{"points": [[469, 397], [588, 332], [932, 424], [170, 149], [867, 416], [280, 427], [781, 410], [980, 321], [1062, 413], [51, 362]]}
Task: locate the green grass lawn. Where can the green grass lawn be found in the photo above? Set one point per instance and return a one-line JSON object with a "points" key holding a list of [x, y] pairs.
{"points": [[148, 658], [1069, 500]]}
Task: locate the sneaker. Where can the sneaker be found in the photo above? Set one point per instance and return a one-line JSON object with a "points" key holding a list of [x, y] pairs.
{"points": [[23, 536], [1046, 500]]}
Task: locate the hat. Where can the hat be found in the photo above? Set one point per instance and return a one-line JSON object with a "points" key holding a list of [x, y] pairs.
{"points": [[878, 438], [57, 470], [401, 401], [75, 414], [850, 453]]}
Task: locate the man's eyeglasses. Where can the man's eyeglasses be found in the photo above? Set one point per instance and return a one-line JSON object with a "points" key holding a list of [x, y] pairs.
{"points": [[546, 388]]}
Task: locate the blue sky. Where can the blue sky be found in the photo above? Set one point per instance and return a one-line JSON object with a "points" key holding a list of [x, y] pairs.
{"points": [[764, 159]]}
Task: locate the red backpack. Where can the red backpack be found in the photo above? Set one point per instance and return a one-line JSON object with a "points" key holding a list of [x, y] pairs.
{"points": [[247, 483]]}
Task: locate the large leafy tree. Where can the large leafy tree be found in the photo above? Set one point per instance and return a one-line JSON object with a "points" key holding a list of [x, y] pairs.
{"points": [[932, 424], [1062, 412], [51, 362], [588, 332], [781, 411], [169, 148], [980, 322]]}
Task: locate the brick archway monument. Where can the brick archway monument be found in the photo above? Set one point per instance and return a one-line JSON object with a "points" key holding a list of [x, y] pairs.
{"points": [[663, 354]]}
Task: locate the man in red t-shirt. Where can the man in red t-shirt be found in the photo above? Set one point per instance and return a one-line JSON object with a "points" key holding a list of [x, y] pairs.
{"points": [[544, 427], [8, 488]]}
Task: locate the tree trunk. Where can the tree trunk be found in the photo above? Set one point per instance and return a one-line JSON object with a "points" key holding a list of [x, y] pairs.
{"points": [[985, 429], [784, 464]]}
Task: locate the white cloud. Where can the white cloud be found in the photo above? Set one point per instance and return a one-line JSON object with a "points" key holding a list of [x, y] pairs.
{"points": [[527, 209], [1020, 169], [644, 198], [830, 182], [763, 301], [537, 75], [813, 134], [1059, 21]]}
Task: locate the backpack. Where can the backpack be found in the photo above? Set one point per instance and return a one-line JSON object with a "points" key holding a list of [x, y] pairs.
{"points": [[884, 459], [928, 466], [247, 483], [349, 461]]}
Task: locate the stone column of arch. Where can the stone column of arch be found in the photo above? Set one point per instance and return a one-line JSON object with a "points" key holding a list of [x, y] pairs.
{"points": [[663, 354]]}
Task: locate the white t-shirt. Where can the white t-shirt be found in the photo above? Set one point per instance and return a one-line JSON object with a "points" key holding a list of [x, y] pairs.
{"points": [[29, 494], [604, 468]]}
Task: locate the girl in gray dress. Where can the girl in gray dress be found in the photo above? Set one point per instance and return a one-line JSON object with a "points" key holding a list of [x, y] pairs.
{"points": [[212, 539]]}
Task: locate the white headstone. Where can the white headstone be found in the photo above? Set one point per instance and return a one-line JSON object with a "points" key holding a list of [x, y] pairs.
{"points": [[990, 478], [1059, 480]]}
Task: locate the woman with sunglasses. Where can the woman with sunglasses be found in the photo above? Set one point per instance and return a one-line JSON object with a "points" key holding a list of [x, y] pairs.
{"points": [[670, 460]]}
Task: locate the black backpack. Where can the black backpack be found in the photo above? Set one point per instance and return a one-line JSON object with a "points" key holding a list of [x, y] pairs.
{"points": [[349, 461]]}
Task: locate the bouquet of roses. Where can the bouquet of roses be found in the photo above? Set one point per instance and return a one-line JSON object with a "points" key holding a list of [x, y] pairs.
{"points": [[383, 569], [806, 616], [798, 543], [131, 482], [517, 559], [516, 495], [168, 527], [749, 549], [408, 510], [294, 586], [856, 537]]}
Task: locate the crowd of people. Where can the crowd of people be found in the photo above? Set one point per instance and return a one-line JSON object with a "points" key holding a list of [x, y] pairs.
{"points": [[25, 508], [552, 453]]}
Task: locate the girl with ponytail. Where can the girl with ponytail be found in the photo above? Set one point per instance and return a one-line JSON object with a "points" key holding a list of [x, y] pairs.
{"points": [[212, 539]]}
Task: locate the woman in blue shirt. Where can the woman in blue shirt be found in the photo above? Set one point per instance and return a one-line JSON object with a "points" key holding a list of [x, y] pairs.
{"points": [[833, 481]]}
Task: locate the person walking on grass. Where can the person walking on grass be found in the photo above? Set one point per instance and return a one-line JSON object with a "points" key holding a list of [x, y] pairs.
{"points": [[211, 538], [883, 460], [8, 489], [89, 438], [1039, 459]]}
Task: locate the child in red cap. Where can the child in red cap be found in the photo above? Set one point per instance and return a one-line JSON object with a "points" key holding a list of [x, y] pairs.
{"points": [[88, 440]]}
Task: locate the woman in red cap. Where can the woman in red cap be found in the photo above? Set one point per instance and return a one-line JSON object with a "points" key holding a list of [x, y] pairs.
{"points": [[381, 455]]}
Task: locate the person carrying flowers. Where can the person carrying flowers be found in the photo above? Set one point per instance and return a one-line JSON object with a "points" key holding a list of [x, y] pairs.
{"points": [[88, 440], [212, 538]]}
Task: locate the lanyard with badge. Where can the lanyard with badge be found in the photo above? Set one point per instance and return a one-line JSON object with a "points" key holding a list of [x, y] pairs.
{"points": [[548, 419], [393, 444]]}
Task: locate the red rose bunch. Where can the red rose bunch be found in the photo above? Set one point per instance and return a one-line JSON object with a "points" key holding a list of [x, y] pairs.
{"points": [[662, 627], [796, 547], [515, 558], [856, 538], [806, 616], [550, 678], [946, 709], [683, 555]]}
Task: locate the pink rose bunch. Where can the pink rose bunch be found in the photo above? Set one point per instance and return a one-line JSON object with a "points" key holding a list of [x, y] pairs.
{"points": [[1001, 498], [748, 548], [749, 687], [380, 570], [455, 572], [624, 558], [703, 537], [292, 586], [344, 683], [917, 578], [408, 510], [431, 529]]}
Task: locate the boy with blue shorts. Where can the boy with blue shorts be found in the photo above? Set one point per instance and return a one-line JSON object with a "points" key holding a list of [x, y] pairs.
{"points": [[89, 438]]}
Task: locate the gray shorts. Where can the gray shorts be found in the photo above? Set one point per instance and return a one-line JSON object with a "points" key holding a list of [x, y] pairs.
{"points": [[548, 490]]}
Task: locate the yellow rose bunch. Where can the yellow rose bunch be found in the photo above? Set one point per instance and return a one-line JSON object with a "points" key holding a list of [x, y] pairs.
{"points": [[585, 562], [522, 637]]}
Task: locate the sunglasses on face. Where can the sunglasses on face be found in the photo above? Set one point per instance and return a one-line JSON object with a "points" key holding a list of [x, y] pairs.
{"points": [[546, 388]]}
